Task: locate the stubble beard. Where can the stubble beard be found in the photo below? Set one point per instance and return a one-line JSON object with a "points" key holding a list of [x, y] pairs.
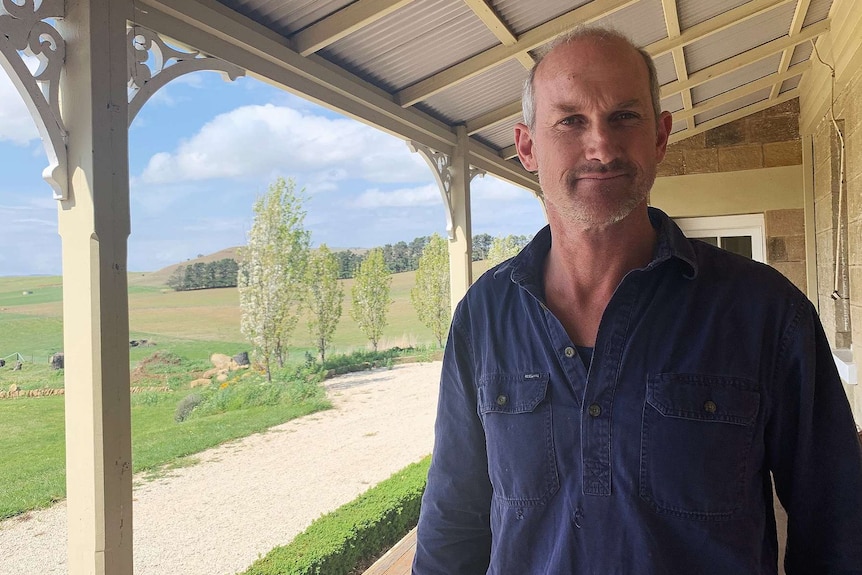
{"points": [[590, 214]]}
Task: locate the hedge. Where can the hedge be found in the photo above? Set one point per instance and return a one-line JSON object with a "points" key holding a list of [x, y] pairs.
{"points": [[363, 529]]}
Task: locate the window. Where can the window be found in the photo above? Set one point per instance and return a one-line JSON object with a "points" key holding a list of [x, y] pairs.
{"points": [[743, 235]]}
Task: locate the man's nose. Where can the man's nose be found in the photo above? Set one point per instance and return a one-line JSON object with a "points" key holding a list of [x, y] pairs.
{"points": [[600, 143]]}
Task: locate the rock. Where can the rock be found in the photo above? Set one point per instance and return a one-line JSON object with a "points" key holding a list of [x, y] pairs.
{"points": [[220, 360], [222, 377], [202, 382], [13, 388], [2, 362], [211, 372], [58, 360], [241, 359]]}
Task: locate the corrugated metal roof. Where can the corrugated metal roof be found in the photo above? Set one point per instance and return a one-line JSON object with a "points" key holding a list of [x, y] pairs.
{"points": [[672, 103], [286, 16], [801, 53], [790, 84], [487, 91], [501, 135], [642, 22], [412, 43], [758, 96], [692, 12], [744, 75], [738, 38], [665, 69], [817, 11], [521, 16], [678, 126], [427, 37]]}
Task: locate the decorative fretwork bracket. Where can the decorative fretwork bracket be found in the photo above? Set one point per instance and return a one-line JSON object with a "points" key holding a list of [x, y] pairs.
{"points": [[152, 64], [23, 29], [441, 166]]}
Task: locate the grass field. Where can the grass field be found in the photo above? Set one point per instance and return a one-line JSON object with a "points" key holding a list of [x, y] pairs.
{"points": [[185, 328]]}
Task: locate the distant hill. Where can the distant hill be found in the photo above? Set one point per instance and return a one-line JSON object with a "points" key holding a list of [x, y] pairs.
{"points": [[160, 278]]}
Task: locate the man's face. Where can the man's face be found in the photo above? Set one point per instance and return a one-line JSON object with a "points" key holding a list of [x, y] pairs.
{"points": [[596, 142]]}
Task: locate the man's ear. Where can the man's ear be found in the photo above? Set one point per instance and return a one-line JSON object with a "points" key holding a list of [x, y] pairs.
{"points": [[663, 128], [524, 146]]}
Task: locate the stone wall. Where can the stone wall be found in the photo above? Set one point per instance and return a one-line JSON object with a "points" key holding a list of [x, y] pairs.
{"points": [[766, 139], [842, 318]]}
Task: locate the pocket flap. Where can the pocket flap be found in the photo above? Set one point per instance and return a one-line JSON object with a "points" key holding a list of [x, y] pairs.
{"points": [[517, 393], [705, 397]]}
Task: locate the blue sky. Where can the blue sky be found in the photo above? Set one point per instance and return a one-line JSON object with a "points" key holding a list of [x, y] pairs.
{"points": [[202, 149]]}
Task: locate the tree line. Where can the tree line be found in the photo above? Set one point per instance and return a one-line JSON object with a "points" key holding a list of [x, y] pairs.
{"points": [[200, 275]]}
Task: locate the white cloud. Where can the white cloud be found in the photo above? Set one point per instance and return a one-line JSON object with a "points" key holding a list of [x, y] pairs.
{"points": [[405, 197], [253, 141], [16, 124], [489, 188]]}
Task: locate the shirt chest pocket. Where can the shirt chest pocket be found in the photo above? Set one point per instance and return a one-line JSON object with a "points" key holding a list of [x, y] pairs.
{"points": [[696, 441], [516, 415]]}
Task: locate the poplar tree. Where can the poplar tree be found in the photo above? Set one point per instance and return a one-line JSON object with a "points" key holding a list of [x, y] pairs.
{"points": [[430, 295], [271, 277], [324, 297], [503, 248], [370, 295]]}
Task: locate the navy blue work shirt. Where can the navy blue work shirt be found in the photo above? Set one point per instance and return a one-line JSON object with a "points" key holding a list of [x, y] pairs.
{"points": [[709, 372]]}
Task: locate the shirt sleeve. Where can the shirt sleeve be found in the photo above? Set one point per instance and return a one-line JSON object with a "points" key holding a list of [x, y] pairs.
{"points": [[454, 536], [815, 454]]}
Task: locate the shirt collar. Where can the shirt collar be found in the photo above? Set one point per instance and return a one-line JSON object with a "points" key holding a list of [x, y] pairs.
{"points": [[527, 267]]}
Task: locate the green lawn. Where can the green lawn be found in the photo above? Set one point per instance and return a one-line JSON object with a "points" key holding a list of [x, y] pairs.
{"points": [[186, 327], [32, 447]]}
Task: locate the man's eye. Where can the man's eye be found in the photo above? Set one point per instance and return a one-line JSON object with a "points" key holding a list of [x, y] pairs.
{"points": [[627, 116]]}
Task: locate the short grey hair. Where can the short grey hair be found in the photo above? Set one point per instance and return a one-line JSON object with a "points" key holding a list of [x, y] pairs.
{"points": [[528, 102]]}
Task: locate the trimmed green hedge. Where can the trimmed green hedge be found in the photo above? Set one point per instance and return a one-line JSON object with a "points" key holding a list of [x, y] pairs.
{"points": [[362, 529]]}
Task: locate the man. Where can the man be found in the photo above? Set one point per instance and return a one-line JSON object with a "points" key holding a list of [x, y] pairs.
{"points": [[616, 398]]}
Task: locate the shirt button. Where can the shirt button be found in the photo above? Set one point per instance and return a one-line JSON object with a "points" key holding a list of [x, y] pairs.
{"points": [[502, 399], [570, 351], [710, 406], [595, 410]]}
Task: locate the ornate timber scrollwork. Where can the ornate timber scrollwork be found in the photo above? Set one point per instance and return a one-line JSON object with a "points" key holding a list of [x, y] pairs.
{"points": [[441, 166], [153, 63], [25, 33]]}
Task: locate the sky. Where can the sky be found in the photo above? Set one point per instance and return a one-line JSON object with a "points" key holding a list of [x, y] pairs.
{"points": [[200, 152]]}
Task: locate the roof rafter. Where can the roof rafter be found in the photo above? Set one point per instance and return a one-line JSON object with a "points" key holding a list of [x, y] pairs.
{"points": [[347, 20], [731, 64], [548, 31], [735, 115], [512, 109], [795, 27], [499, 54], [671, 19], [489, 17]]}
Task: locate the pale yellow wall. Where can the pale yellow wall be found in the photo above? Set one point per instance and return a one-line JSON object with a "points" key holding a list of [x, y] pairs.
{"points": [[729, 193]]}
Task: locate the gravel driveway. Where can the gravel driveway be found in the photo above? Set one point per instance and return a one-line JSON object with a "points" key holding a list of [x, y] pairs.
{"points": [[250, 495]]}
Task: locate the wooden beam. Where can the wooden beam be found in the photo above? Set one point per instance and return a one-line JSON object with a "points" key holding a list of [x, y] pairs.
{"points": [[499, 54], [494, 117], [795, 27], [735, 115], [489, 17], [343, 22], [671, 20], [742, 91], [546, 32], [734, 63], [714, 25]]}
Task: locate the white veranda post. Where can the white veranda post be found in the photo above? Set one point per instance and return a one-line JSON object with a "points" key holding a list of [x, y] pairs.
{"points": [[453, 174]]}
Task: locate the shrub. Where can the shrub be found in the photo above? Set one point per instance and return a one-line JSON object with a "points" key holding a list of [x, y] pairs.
{"points": [[186, 406], [360, 530]]}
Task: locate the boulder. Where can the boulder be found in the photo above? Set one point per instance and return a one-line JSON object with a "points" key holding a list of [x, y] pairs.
{"points": [[220, 360], [212, 372], [241, 359], [13, 388], [202, 382], [58, 360], [2, 362], [222, 377]]}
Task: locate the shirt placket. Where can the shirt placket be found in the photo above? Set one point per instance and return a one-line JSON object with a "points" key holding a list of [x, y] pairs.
{"points": [[598, 402]]}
